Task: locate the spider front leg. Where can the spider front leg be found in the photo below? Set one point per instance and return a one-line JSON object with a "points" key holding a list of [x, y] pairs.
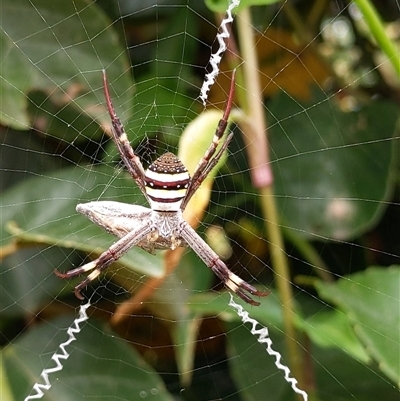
{"points": [[212, 260], [108, 257], [209, 160], [128, 156]]}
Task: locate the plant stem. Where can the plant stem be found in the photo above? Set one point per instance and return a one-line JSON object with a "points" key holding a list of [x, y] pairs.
{"points": [[256, 145], [375, 24], [309, 254]]}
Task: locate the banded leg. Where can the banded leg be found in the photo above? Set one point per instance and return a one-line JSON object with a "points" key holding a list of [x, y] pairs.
{"points": [[207, 163], [212, 260], [108, 257], [131, 161]]}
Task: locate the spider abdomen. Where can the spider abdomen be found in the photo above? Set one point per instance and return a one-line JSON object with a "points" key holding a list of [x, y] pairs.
{"points": [[166, 183]]}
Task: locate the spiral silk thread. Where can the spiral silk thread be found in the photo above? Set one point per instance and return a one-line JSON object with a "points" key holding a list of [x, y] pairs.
{"points": [[215, 59], [263, 338], [40, 389]]}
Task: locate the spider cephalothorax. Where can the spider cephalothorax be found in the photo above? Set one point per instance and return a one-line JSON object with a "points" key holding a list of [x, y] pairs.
{"points": [[168, 187]]}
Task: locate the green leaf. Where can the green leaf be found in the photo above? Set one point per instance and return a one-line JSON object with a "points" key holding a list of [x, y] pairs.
{"points": [[193, 146], [332, 337], [371, 301], [70, 124], [27, 279], [42, 211], [253, 370], [100, 365], [42, 54], [6, 391], [333, 329], [14, 104], [220, 6], [333, 169], [171, 303], [337, 376], [216, 304], [22, 156], [159, 109], [184, 334]]}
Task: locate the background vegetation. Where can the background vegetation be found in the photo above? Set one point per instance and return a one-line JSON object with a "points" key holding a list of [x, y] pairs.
{"points": [[329, 86]]}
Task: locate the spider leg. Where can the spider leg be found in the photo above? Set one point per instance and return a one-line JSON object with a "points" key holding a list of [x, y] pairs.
{"points": [[212, 260], [131, 161], [195, 184], [207, 162], [108, 257]]}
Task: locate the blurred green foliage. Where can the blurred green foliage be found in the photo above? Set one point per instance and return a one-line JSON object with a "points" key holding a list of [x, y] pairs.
{"points": [[334, 156]]}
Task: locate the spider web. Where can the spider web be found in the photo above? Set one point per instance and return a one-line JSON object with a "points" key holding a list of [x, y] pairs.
{"points": [[160, 327]]}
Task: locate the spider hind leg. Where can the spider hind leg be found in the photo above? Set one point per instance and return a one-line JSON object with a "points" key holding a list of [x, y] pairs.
{"points": [[111, 255], [92, 276], [76, 272], [80, 270], [236, 284]]}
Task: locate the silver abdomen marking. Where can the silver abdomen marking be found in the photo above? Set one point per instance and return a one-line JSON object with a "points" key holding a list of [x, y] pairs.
{"points": [[166, 182]]}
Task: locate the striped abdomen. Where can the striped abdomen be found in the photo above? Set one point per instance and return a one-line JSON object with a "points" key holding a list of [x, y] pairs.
{"points": [[166, 180]]}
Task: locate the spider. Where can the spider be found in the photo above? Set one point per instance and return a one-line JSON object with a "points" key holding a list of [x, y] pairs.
{"points": [[168, 187]]}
